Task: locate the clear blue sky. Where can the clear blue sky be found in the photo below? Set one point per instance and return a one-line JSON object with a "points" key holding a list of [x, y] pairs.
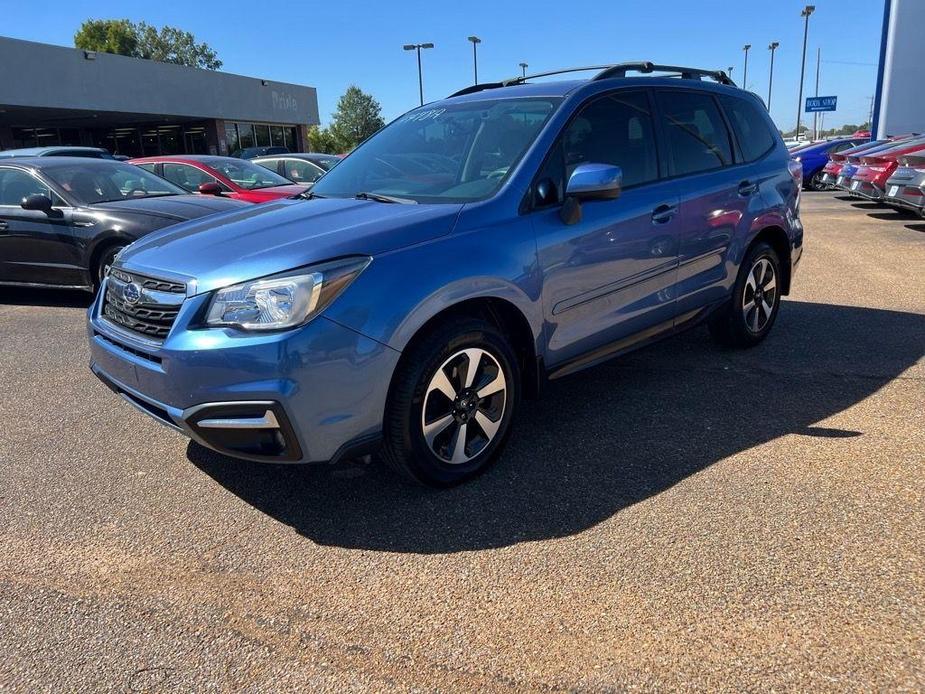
{"points": [[330, 45]]}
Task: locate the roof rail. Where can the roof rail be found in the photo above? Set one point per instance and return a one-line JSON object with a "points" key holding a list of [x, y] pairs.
{"points": [[687, 73], [615, 71]]}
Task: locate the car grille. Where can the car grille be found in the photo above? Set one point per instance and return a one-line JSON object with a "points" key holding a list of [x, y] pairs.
{"points": [[143, 305]]}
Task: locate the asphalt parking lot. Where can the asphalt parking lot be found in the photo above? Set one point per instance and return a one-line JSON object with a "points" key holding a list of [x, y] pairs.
{"points": [[687, 517]]}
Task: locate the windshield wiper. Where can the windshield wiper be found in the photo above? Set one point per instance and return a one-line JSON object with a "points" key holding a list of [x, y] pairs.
{"points": [[385, 198], [308, 195]]}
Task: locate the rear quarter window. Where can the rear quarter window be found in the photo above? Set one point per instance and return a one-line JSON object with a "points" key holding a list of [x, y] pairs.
{"points": [[750, 127]]}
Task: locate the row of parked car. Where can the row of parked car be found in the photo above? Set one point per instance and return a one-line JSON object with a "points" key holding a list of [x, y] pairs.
{"points": [[104, 204], [889, 170]]}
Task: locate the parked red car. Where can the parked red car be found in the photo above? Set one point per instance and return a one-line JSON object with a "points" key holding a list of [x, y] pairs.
{"points": [[837, 161], [875, 169], [227, 176]]}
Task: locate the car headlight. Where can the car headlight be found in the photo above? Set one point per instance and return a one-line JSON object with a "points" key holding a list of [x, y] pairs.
{"points": [[286, 300]]}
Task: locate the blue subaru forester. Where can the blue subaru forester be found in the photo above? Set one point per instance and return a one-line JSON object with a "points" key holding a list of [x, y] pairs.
{"points": [[515, 232]]}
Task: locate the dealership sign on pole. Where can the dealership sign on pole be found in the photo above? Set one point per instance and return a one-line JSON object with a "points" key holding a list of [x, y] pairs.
{"points": [[814, 104]]}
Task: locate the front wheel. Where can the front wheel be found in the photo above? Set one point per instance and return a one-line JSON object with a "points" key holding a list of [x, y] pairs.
{"points": [[103, 265], [451, 403], [747, 319]]}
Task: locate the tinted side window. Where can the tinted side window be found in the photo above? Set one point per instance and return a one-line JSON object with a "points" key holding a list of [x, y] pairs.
{"points": [[302, 171], [614, 129], [750, 126], [696, 135], [188, 177], [16, 185]]}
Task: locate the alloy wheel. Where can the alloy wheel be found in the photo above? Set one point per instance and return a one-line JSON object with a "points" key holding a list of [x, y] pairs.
{"points": [[464, 405], [760, 295]]}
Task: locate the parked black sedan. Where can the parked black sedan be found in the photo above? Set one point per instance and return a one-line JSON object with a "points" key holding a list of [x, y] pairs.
{"points": [[63, 220]]}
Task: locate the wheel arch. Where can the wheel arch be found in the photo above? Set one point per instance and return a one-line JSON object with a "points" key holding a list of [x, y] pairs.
{"points": [[777, 239], [508, 318]]}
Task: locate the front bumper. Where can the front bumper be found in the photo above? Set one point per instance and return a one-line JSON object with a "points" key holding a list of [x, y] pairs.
{"points": [[311, 394]]}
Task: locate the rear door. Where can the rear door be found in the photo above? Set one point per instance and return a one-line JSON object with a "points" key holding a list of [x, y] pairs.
{"points": [[607, 279], [36, 247], [716, 192]]}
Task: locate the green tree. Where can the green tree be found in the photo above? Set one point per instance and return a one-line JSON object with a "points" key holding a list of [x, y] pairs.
{"points": [[107, 36], [323, 140], [167, 44], [358, 116], [172, 45]]}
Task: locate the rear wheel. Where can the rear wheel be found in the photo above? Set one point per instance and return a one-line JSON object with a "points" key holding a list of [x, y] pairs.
{"points": [[815, 183], [748, 318], [103, 264], [451, 404]]}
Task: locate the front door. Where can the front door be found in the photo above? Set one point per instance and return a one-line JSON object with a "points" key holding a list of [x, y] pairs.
{"points": [[609, 278], [36, 247]]}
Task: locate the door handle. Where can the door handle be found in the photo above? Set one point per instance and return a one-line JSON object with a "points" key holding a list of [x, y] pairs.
{"points": [[747, 188], [664, 213], [4, 226]]}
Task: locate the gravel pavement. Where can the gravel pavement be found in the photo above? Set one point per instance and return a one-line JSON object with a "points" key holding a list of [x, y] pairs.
{"points": [[685, 518]]}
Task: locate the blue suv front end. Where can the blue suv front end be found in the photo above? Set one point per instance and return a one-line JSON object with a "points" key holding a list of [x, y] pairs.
{"points": [[305, 395]]}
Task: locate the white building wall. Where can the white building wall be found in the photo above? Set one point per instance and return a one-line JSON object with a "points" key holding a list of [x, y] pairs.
{"points": [[902, 94]]}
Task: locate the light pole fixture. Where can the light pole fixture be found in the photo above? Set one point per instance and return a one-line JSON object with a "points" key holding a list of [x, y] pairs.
{"points": [[417, 47], [475, 58], [729, 70], [771, 47], [745, 71], [523, 67], [808, 10]]}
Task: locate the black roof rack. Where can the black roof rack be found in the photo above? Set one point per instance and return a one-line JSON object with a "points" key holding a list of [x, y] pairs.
{"points": [[615, 71]]}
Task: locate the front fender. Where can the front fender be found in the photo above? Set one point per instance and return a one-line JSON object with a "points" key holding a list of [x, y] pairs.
{"points": [[402, 290]]}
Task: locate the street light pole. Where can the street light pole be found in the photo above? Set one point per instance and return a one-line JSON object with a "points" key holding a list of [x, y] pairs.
{"points": [[816, 115], [729, 70], [771, 47], [745, 71], [417, 47], [808, 10], [475, 60], [523, 67]]}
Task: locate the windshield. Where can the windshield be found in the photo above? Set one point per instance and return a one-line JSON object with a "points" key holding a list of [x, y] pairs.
{"points": [[245, 173], [88, 185], [448, 153]]}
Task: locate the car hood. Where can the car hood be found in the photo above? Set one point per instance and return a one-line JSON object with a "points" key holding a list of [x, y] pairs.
{"points": [[265, 239], [177, 208]]}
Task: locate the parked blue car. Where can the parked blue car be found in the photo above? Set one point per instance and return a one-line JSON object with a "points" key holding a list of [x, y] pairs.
{"points": [[477, 246], [814, 157]]}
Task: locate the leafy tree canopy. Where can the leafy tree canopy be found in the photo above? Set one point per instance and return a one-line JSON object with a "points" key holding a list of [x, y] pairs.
{"points": [[358, 116], [167, 44]]}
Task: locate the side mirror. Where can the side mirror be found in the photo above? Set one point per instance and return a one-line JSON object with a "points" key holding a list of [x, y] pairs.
{"points": [[595, 182], [36, 201], [210, 188]]}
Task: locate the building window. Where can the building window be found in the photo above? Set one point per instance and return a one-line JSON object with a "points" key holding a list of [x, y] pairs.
{"points": [[276, 136], [231, 137], [245, 135]]}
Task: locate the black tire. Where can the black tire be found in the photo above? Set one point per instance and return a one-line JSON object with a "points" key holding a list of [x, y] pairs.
{"points": [[815, 182], [102, 265], [733, 324], [405, 447]]}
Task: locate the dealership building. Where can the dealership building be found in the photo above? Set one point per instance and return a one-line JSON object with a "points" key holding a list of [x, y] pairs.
{"points": [[52, 95]]}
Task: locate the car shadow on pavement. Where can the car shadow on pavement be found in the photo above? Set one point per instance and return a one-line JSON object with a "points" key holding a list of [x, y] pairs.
{"points": [[604, 439], [34, 296], [916, 227]]}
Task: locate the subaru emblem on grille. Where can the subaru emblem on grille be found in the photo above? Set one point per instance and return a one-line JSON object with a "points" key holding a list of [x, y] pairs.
{"points": [[131, 293]]}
